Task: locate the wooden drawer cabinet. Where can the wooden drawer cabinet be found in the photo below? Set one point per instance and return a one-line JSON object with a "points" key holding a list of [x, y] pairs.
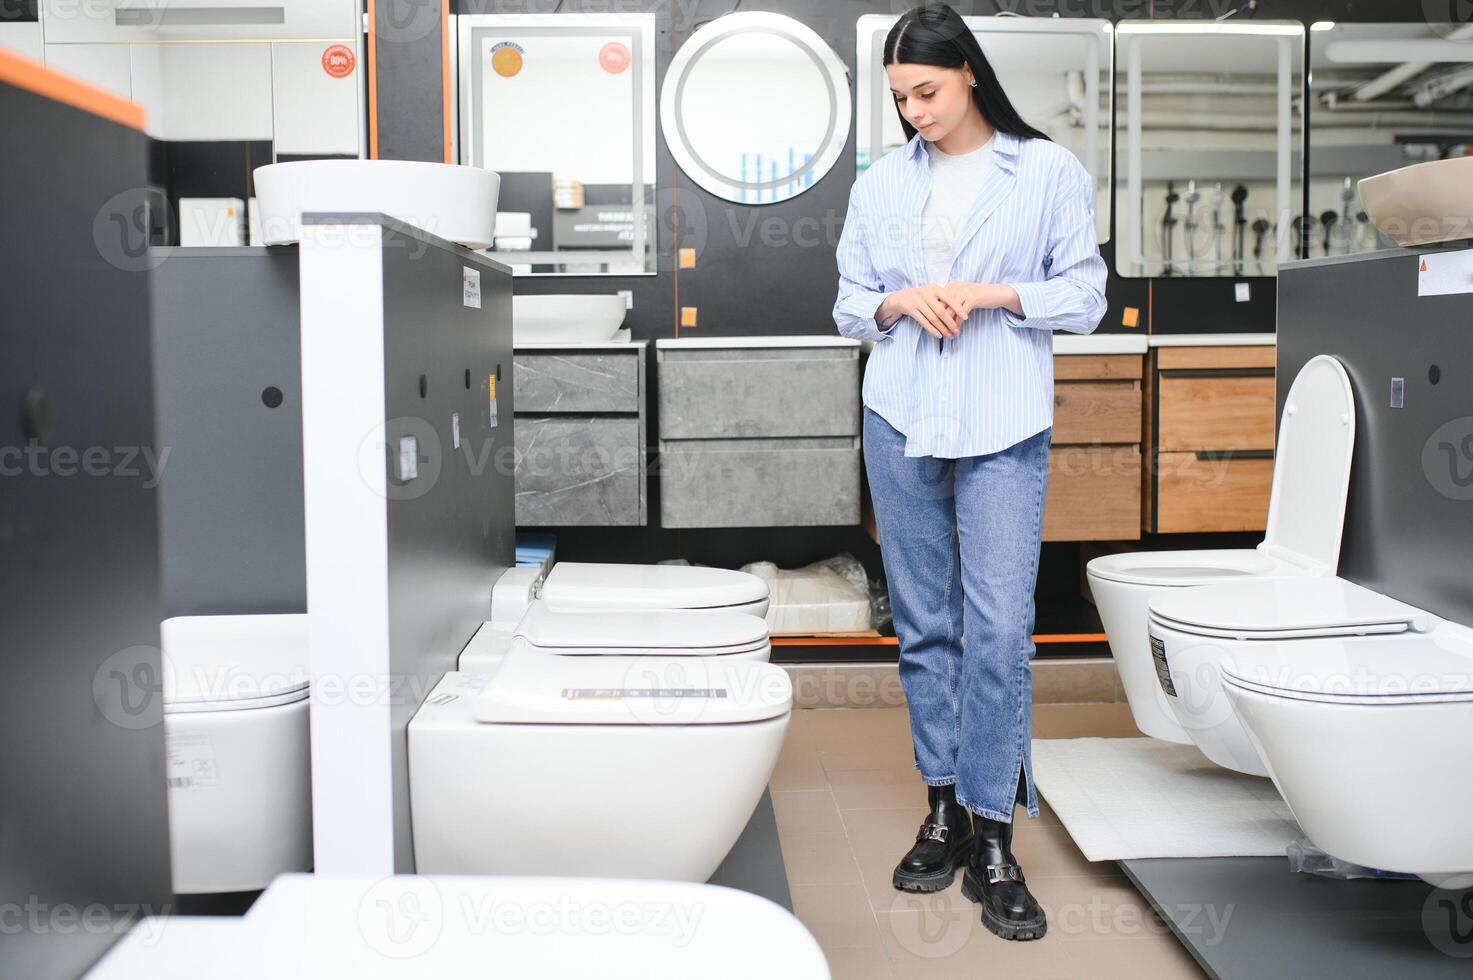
{"points": [[1094, 494], [1215, 413], [1209, 438], [1209, 492], [1094, 491]]}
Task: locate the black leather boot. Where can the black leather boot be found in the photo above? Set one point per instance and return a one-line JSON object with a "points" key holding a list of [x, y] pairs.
{"points": [[994, 881], [941, 845]]}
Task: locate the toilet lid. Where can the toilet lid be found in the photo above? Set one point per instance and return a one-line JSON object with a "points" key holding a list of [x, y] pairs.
{"points": [[1306, 511], [1285, 607], [1421, 668], [670, 632], [596, 585], [229, 663], [531, 689]]}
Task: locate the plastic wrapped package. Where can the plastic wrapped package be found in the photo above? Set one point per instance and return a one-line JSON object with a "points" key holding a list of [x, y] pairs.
{"points": [[830, 596]]}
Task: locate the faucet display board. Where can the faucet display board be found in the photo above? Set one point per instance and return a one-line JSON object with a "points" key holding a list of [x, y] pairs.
{"points": [[406, 431]]}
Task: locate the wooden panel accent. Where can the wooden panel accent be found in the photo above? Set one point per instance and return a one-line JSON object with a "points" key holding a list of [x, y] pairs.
{"points": [[1098, 367], [1223, 493], [1093, 494], [1095, 412], [1216, 413], [1264, 356], [1148, 442]]}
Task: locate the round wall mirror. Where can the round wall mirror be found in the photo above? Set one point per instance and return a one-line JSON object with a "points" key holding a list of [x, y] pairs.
{"points": [[755, 107]]}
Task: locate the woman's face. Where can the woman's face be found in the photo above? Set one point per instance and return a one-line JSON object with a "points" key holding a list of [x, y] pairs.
{"points": [[932, 99]]}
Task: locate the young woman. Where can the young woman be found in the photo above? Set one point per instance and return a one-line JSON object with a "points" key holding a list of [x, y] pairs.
{"points": [[961, 253]]}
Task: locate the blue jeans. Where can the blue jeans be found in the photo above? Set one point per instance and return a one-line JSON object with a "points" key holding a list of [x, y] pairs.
{"points": [[961, 540]]}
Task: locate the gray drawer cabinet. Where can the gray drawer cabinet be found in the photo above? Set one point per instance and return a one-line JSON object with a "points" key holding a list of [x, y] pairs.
{"points": [[580, 434], [758, 431]]}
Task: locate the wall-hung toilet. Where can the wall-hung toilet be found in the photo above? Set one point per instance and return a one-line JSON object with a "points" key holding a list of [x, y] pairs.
{"points": [[1191, 631], [607, 766], [1361, 737], [239, 757], [1306, 514], [658, 632]]}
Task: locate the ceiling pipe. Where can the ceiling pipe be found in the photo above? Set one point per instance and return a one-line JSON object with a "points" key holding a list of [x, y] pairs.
{"points": [[1404, 73]]}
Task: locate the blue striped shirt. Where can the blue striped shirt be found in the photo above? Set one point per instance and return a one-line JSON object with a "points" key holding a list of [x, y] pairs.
{"points": [[1032, 227]]}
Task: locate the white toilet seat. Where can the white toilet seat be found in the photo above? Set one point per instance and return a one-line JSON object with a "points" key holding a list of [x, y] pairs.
{"points": [[575, 586], [666, 632], [233, 663], [238, 760], [1269, 609], [1193, 631], [1347, 725], [611, 766], [1306, 516]]}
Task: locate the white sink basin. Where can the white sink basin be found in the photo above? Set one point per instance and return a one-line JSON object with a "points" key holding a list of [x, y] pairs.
{"points": [[1422, 204], [566, 318], [454, 203]]}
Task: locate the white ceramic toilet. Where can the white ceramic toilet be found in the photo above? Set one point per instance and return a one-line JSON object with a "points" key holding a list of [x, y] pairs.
{"points": [[1191, 631], [408, 927], [1306, 514], [606, 766], [1362, 736], [239, 758]]}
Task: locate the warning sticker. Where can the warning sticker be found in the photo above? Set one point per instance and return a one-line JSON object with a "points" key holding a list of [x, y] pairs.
{"points": [[1163, 669], [1445, 273]]}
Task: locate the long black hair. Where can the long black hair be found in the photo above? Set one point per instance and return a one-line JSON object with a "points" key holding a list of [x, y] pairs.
{"points": [[934, 34]]}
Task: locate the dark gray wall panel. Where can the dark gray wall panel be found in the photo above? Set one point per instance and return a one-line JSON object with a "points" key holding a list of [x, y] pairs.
{"points": [[1409, 523], [226, 329], [83, 819], [447, 546]]}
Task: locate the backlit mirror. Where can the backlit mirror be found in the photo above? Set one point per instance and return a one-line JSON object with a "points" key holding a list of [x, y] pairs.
{"points": [[562, 106], [755, 107], [1210, 139], [1385, 96], [1055, 71]]}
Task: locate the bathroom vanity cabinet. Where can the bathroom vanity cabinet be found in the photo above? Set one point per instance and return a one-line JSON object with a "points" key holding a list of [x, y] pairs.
{"points": [[580, 434], [758, 431], [1094, 488], [1209, 432]]}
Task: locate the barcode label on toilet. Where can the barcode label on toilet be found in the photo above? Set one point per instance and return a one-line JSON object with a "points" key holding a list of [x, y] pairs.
{"points": [[1163, 669], [190, 761]]}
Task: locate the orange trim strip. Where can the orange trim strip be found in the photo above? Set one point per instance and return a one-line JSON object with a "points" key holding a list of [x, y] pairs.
{"points": [[22, 72], [446, 107], [372, 83], [859, 641]]}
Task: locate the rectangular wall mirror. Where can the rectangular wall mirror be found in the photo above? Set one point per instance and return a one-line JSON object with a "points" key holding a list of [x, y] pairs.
{"points": [[1056, 71], [1211, 145], [1385, 96], [562, 106]]}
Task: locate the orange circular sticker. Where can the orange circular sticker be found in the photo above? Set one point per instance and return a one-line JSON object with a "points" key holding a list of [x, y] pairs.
{"points": [[506, 59], [338, 60], [614, 57]]}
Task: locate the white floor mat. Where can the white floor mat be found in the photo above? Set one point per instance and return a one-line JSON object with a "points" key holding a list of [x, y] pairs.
{"points": [[1127, 798]]}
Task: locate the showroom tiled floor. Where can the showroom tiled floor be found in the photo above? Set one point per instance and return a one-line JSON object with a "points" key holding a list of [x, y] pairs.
{"points": [[848, 802]]}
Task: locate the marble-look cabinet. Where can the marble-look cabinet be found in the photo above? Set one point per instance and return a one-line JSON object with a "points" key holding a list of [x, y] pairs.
{"points": [[580, 434], [758, 431]]}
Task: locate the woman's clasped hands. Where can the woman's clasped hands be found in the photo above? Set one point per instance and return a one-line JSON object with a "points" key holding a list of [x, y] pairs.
{"points": [[941, 310]]}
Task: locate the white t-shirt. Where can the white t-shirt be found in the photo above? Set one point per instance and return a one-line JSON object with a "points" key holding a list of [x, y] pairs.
{"points": [[956, 180]]}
